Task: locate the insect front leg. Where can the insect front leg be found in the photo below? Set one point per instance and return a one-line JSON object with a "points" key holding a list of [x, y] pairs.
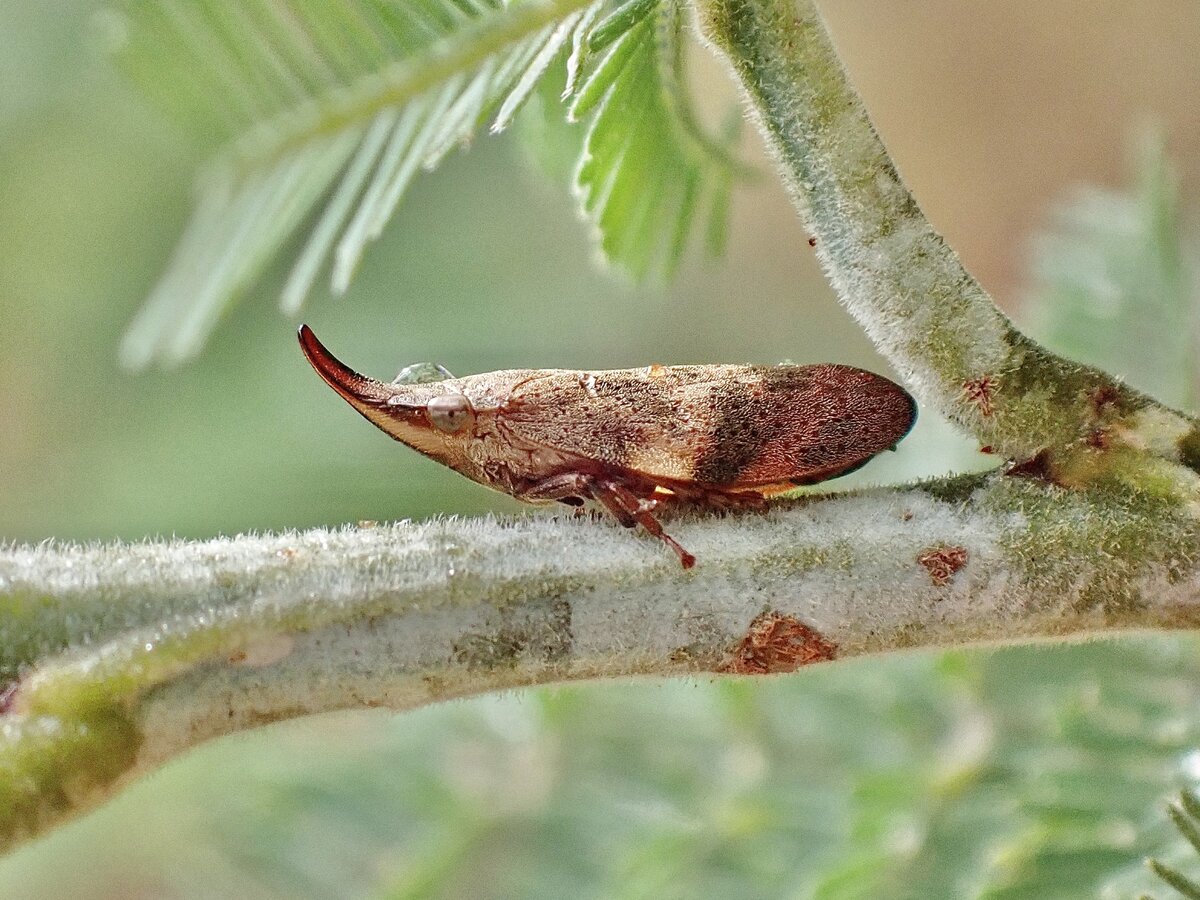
{"points": [[571, 488], [629, 509]]}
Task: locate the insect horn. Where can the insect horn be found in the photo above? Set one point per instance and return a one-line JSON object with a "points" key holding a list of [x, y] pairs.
{"points": [[354, 388], [381, 404]]}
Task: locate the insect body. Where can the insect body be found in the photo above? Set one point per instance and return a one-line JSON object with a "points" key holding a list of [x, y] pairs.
{"points": [[635, 439]]}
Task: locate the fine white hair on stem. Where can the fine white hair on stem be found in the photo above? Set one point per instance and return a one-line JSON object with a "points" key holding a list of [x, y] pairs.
{"points": [[127, 654]]}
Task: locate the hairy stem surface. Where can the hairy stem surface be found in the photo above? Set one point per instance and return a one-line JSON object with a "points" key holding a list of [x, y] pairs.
{"points": [[122, 656], [897, 276]]}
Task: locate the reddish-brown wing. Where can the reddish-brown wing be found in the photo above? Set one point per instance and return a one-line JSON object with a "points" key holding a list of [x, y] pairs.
{"points": [[732, 427]]}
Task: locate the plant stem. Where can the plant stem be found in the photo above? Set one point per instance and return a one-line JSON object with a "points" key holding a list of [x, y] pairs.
{"points": [[129, 654], [893, 272]]}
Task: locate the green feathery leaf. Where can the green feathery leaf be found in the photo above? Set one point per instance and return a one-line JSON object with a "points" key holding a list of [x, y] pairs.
{"points": [[1175, 879], [324, 113], [1186, 819], [1037, 786], [645, 159]]}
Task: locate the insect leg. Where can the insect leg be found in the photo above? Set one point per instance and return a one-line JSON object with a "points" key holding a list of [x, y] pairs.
{"points": [[625, 506], [630, 509], [603, 492], [570, 488]]}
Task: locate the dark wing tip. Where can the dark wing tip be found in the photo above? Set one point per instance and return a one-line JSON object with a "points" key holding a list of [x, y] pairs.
{"points": [[913, 410]]}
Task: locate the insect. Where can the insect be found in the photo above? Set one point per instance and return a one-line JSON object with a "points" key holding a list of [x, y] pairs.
{"points": [[635, 439]]}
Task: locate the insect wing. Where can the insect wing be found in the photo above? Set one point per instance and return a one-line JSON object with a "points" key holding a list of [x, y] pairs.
{"points": [[719, 426], [625, 419], [814, 423]]}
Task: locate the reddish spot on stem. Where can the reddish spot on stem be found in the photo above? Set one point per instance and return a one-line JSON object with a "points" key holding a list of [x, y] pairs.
{"points": [[777, 643], [8, 694], [942, 562], [1104, 397], [1037, 466], [812, 242], [979, 391]]}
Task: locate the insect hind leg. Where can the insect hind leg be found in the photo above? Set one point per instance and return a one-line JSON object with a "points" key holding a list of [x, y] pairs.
{"points": [[606, 493], [624, 505], [629, 509]]}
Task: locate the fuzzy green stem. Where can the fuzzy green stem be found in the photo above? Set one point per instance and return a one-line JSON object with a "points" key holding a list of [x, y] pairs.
{"points": [[893, 272], [126, 655]]}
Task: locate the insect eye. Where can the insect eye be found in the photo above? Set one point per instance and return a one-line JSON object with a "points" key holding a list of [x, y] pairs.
{"points": [[450, 412]]}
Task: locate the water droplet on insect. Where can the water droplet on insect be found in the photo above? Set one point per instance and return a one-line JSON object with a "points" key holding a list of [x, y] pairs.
{"points": [[422, 373]]}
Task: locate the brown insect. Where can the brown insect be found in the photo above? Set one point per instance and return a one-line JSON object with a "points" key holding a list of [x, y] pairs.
{"points": [[635, 439]]}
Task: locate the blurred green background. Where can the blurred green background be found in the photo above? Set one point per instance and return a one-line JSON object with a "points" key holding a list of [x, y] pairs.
{"points": [[1027, 772]]}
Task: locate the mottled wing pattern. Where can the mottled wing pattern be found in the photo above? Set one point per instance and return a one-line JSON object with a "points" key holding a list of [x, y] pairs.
{"points": [[817, 422], [719, 426], [640, 419]]}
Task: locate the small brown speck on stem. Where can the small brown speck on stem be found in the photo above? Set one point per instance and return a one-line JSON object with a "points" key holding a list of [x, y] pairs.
{"points": [[777, 643], [8, 694], [942, 562], [1103, 397], [979, 392], [1037, 466]]}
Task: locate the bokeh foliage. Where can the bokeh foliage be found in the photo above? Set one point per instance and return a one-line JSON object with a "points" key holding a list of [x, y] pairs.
{"points": [[1029, 772], [1118, 280], [326, 112]]}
